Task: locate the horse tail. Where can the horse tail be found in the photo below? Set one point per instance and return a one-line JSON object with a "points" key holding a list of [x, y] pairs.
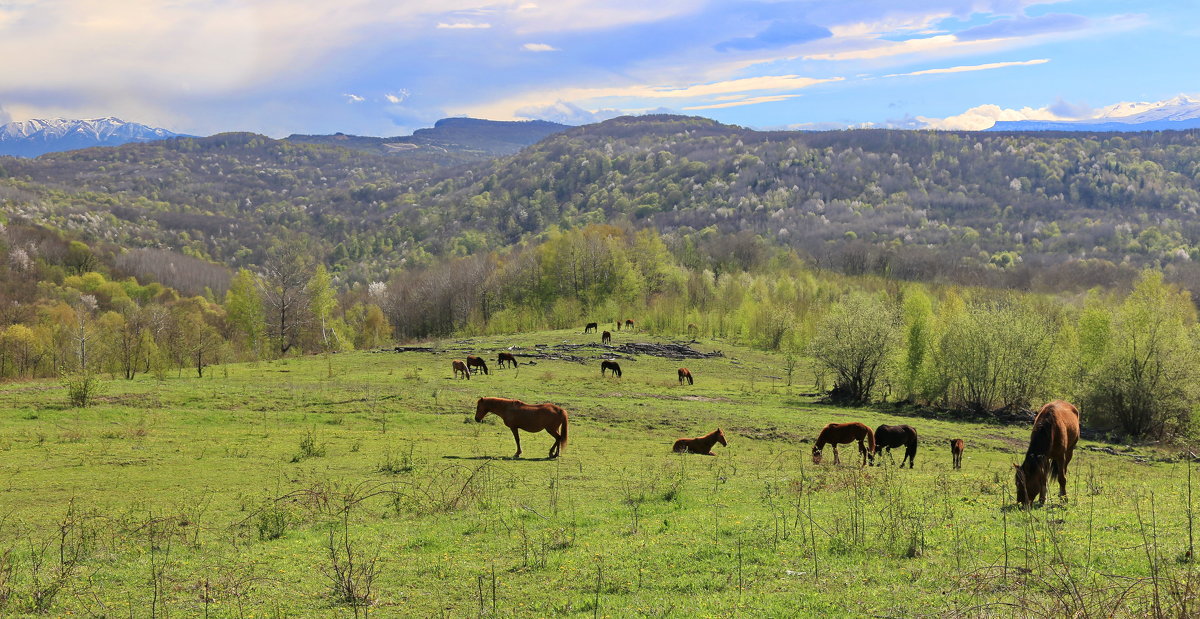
{"points": [[564, 429], [871, 440]]}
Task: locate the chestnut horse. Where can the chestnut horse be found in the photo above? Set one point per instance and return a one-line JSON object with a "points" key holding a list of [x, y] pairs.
{"points": [[610, 365], [956, 449], [836, 433], [606, 338], [476, 362], [591, 326], [459, 366], [506, 357], [518, 415], [1051, 444], [700, 445], [628, 323], [887, 437], [685, 374]]}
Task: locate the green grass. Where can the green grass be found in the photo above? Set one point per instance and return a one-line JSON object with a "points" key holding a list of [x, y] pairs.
{"points": [[219, 496]]}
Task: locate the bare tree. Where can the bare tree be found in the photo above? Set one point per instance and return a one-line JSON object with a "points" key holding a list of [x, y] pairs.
{"points": [[285, 277]]}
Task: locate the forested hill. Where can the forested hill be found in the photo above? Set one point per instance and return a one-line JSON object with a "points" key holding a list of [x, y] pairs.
{"points": [[460, 140], [922, 205]]}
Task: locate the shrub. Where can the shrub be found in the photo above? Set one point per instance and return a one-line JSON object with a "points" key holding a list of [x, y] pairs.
{"points": [[854, 342], [82, 388]]}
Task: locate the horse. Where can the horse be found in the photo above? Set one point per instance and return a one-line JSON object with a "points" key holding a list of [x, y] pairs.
{"points": [[692, 329], [836, 433], [610, 365], [887, 437], [606, 338], [700, 445], [518, 415], [459, 366], [956, 449], [618, 325], [591, 327], [1051, 444], [477, 362], [628, 323], [506, 357], [685, 374]]}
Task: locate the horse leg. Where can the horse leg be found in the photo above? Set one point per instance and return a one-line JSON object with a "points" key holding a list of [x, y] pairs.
{"points": [[1061, 473], [557, 439], [517, 438], [836, 459]]}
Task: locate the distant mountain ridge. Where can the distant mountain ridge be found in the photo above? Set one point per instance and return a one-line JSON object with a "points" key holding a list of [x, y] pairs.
{"points": [[469, 139], [31, 138], [1178, 113]]}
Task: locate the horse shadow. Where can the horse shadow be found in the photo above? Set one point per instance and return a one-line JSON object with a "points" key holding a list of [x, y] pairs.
{"points": [[501, 458]]}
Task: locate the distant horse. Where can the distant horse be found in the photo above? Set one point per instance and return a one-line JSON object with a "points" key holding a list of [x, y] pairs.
{"points": [[685, 374], [692, 329], [518, 415], [628, 323], [887, 437], [610, 365], [506, 357], [476, 362], [836, 433], [459, 366], [606, 338], [956, 449], [1051, 445], [591, 327], [700, 445], [618, 325]]}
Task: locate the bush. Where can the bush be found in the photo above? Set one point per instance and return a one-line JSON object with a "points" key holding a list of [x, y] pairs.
{"points": [[82, 388], [854, 342]]}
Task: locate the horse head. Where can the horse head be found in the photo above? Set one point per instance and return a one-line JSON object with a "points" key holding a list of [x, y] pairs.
{"points": [[481, 410], [721, 437], [1030, 478], [816, 454]]}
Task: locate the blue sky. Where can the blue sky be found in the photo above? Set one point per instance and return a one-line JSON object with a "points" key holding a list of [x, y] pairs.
{"points": [[381, 67]]}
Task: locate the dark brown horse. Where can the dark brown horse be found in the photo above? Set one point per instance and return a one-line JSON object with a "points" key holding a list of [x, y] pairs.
{"points": [[1051, 445], [956, 449], [459, 366], [506, 357], [887, 437], [477, 362], [618, 325], [610, 365], [518, 415], [836, 433], [591, 326], [701, 444], [628, 323], [685, 374], [606, 338]]}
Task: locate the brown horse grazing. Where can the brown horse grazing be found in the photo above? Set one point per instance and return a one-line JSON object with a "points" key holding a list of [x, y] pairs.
{"points": [[1051, 444], [506, 357], [518, 415], [606, 338], [956, 449], [459, 366], [477, 362], [591, 327], [610, 365], [836, 433], [628, 323], [701, 444], [685, 374], [887, 437]]}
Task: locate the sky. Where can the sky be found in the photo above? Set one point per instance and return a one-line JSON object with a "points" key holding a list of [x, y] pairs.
{"points": [[387, 67]]}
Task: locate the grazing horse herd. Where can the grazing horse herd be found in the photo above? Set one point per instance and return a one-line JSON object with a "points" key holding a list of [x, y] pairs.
{"points": [[1051, 443]]}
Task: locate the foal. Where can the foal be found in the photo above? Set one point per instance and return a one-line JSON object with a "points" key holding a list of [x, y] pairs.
{"points": [[956, 449], [700, 445]]}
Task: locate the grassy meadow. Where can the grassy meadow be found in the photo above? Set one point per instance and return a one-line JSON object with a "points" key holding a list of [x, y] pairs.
{"points": [[277, 490]]}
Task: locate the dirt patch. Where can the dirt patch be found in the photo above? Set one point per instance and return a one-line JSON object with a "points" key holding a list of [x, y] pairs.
{"points": [[701, 398], [1008, 440], [579, 353], [768, 433]]}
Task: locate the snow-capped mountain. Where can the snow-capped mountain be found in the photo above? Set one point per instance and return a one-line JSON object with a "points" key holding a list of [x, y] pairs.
{"points": [[1181, 112], [31, 138]]}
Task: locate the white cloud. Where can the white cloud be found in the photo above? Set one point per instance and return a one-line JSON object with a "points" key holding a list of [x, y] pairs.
{"points": [[984, 116], [463, 25], [353, 98], [538, 47], [396, 98], [976, 67], [749, 101]]}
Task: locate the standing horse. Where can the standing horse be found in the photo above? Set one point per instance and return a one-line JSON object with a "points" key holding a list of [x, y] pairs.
{"points": [[700, 445], [606, 338], [506, 357], [477, 362], [610, 365], [956, 449], [685, 374], [836, 433], [628, 323], [518, 415], [591, 327], [1051, 445], [887, 437], [618, 325], [692, 329], [459, 366]]}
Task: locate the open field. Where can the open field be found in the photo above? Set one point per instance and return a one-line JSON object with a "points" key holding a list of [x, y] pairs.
{"points": [[256, 490]]}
